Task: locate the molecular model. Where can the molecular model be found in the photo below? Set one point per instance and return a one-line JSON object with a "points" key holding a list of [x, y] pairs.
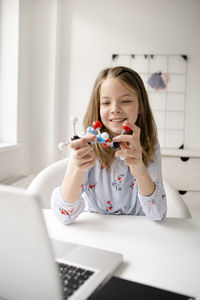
{"points": [[101, 138]]}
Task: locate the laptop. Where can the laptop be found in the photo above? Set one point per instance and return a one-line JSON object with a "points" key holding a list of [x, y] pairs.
{"points": [[32, 266]]}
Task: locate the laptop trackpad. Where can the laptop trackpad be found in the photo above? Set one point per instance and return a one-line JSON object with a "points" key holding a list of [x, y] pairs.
{"points": [[61, 248]]}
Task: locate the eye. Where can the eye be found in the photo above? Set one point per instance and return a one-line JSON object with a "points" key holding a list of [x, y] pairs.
{"points": [[126, 101], [105, 103]]}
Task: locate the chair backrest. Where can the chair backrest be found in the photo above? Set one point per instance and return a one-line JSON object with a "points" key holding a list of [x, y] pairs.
{"points": [[52, 176], [176, 207], [45, 181]]}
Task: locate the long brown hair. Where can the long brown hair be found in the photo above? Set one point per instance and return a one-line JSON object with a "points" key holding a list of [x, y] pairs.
{"points": [[145, 121]]}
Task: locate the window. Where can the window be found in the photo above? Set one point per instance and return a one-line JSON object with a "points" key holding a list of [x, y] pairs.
{"points": [[9, 32]]}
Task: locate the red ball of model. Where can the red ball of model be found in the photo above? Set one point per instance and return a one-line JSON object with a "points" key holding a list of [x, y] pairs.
{"points": [[125, 127], [96, 124]]}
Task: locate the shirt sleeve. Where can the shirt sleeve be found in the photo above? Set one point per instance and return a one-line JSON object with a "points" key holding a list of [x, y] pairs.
{"points": [[66, 212], [155, 205]]}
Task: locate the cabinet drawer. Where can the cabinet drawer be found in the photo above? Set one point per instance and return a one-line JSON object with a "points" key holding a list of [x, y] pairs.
{"points": [[183, 175]]}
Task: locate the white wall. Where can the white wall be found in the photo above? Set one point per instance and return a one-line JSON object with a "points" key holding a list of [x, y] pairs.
{"points": [[43, 82]]}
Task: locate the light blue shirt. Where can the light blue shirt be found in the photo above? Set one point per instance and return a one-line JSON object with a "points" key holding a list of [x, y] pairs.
{"points": [[114, 192]]}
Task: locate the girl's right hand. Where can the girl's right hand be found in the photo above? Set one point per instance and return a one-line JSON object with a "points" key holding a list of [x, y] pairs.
{"points": [[83, 155]]}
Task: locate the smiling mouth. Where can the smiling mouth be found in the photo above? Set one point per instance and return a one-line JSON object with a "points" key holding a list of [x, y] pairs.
{"points": [[118, 120]]}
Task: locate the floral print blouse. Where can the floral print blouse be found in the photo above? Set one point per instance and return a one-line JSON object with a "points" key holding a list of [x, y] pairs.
{"points": [[114, 192]]}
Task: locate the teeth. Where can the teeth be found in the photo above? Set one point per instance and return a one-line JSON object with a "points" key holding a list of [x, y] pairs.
{"points": [[117, 120]]}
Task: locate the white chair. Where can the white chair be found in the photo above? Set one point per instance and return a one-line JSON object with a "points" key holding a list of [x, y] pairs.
{"points": [[52, 176], [45, 181], [176, 207]]}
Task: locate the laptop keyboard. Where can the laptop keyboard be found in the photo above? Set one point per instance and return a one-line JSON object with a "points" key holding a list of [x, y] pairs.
{"points": [[72, 278]]}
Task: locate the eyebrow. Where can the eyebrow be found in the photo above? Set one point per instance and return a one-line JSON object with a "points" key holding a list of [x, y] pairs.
{"points": [[122, 96], [128, 95]]}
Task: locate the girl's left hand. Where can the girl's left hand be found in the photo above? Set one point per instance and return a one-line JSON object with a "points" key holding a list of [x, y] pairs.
{"points": [[131, 149]]}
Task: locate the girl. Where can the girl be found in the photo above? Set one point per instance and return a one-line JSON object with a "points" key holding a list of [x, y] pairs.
{"points": [[97, 176]]}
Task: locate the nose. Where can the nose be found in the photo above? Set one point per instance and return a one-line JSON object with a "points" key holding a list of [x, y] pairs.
{"points": [[115, 109]]}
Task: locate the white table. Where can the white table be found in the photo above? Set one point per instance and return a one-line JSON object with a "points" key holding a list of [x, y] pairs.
{"points": [[163, 254]]}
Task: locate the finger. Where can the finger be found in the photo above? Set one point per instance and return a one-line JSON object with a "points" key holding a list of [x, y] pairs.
{"points": [[85, 150], [134, 128], [127, 153], [126, 145], [130, 161], [79, 143], [87, 162], [124, 139], [136, 132]]}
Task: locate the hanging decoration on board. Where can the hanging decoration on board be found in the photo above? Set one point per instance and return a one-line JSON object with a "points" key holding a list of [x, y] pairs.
{"points": [[158, 80]]}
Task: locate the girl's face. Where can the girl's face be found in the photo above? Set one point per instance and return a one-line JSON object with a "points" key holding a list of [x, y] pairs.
{"points": [[118, 102]]}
